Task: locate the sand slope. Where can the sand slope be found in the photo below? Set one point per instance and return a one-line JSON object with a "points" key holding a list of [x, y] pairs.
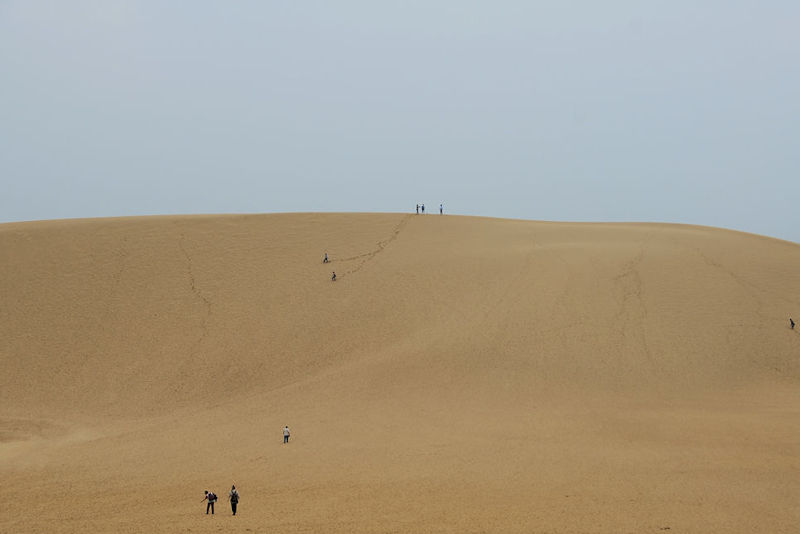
{"points": [[461, 375]]}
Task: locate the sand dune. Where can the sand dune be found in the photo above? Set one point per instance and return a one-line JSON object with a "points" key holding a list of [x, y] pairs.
{"points": [[461, 375]]}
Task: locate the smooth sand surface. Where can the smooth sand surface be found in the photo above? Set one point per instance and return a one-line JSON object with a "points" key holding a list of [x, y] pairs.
{"points": [[461, 375]]}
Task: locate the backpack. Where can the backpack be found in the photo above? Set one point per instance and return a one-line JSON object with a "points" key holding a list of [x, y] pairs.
{"points": [[212, 497], [235, 496]]}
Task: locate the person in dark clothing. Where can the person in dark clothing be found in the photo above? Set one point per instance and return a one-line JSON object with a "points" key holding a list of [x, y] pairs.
{"points": [[325, 259], [791, 322], [233, 496], [211, 497], [423, 209], [333, 276], [417, 209]]}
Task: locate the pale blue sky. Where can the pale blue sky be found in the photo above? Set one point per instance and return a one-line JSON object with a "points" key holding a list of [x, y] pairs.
{"points": [[679, 111]]}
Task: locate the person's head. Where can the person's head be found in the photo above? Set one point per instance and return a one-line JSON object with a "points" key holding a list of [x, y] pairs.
{"points": [[233, 487], [206, 492]]}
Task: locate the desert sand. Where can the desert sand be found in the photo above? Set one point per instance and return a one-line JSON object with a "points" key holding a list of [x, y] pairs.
{"points": [[462, 374]]}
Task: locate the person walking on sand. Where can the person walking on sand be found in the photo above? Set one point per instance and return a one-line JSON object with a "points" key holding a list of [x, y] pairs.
{"points": [[286, 434], [423, 209], [233, 496], [791, 322], [325, 259], [417, 209], [333, 276], [211, 497], [441, 209]]}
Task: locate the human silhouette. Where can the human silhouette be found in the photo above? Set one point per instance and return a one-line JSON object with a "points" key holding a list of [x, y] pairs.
{"points": [[233, 496], [212, 498]]}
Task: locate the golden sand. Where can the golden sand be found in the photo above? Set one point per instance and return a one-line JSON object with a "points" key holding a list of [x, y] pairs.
{"points": [[461, 375]]}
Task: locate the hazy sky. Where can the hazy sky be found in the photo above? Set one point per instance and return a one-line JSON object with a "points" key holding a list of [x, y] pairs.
{"points": [[668, 111]]}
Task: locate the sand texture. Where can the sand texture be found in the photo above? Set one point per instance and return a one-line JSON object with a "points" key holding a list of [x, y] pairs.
{"points": [[461, 375]]}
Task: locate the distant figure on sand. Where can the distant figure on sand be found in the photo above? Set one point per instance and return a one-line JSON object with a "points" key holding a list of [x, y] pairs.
{"points": [[286, 434], [325, 259], [417, 209], [233, 496], [423, 209], [333, 276], [791, 322], [211, 497], [441, 209]]}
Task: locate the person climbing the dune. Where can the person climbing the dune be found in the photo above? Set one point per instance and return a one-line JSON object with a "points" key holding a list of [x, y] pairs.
{"points": [[211, 497], [233, 496], [791, 323], [325, 259], [333, 276]]}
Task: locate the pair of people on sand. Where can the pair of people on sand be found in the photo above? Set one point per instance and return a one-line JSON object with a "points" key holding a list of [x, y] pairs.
{"points": [[441, 208], [326, 260], [211, 497]]}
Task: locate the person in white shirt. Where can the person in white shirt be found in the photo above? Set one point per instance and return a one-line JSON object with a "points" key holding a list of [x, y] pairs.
{"points": [[211, 497], [233, 496], [286, 434]]}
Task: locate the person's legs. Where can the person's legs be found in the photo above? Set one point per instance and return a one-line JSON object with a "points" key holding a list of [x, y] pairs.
{"points": [[233, 507], [208, 507]]}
